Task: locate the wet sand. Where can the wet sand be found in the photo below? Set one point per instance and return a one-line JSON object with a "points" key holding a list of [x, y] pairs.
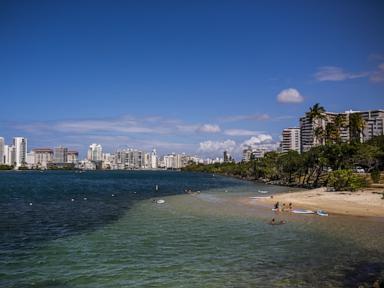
{"points": [[367, 202]]}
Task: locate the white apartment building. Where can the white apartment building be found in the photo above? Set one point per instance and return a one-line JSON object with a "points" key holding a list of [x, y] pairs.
{"points": [[2, 144], [374, 126], [154, 159], [30, 159], [9, 155], [43, 156], [60, 155], [290, 140], [129, 159], [95, 152], [72, 157], [20, 144], [374, 123]]}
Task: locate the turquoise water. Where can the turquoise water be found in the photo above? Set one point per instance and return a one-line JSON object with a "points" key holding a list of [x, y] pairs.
{"points": [[204, 240]]}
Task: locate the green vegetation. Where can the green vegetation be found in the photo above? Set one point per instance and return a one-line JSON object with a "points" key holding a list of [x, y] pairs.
{"points": [[346, 180], [375, 175], [5, 167], [331, 163]]}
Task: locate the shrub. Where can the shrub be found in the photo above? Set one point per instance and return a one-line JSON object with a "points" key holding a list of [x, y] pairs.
{"points": [[346, 180], [375, 175]]}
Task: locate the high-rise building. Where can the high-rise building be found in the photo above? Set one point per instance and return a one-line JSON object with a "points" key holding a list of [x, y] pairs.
{"points": [[43, 156], [154, 159], [290, 140], [374, 123], [2, 150], [247, 154], [60, 155], [20, 144], [72, 156], [95, 152], [9, 154], [227, 157], [373, 119]]}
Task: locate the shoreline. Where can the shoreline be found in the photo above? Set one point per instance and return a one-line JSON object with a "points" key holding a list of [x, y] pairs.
{"points": [[366, 203]]}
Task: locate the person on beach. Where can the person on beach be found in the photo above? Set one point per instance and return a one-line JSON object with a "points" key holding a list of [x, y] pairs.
{"points": [[290, 206], [276, 206], [283, 209]]}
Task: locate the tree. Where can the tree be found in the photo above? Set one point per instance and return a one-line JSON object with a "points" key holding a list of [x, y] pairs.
{"points": [[356, 127], [290, 164], [340, 122], [332, 134], [316, 114]]}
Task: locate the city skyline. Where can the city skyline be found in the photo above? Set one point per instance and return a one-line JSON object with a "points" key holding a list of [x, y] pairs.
{"points": [[188, 77]]}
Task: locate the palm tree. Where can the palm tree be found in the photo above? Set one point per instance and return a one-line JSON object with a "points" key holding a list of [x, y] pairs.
{"points": [[356, 127], [339, 123], [316, 114], [332, 133], [320, 134]]}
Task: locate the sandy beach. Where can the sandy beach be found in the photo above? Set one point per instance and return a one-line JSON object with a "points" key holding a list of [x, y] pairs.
{"points": [[366, 202]]}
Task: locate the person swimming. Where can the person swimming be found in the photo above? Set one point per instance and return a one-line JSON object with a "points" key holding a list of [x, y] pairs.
{"points": [[276, 206], [274, 222]]}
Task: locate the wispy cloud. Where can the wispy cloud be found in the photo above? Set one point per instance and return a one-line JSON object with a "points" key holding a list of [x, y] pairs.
{"points": [[209, 128], [217, 146], [290, 95], [377, 76], [333, 73], [376, 57], [251, 117], [240, 132]]}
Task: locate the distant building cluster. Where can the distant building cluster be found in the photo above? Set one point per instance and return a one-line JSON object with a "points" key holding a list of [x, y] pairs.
{"points": [[313, 130], [62, 158]]}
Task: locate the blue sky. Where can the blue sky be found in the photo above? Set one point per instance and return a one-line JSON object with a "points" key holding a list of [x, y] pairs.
{"points": [[192, 76]]}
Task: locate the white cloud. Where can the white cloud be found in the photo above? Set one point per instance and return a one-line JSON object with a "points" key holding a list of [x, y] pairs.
{"points": [[240, 132], [378, 75], [332, 73], [217, 146], [209, 128], [257, 140], [290, 95], [252, 117]]}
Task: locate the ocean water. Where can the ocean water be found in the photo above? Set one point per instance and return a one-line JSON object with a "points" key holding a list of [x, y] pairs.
{"points": [[102, 229]]}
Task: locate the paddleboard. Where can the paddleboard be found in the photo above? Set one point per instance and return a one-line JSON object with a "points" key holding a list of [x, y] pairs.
{"points": [[302, 211], [262, 191], [160, 201], [259, 197], [322, 213]]}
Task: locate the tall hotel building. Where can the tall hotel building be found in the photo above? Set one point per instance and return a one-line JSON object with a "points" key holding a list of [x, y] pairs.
{"points": [[20, 144], [374, 126], [60, 155], [95, 152], [2, 144], [291, 140]]}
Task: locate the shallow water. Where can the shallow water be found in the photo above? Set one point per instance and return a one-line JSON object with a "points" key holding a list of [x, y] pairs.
{"points": [[204, 240]]}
